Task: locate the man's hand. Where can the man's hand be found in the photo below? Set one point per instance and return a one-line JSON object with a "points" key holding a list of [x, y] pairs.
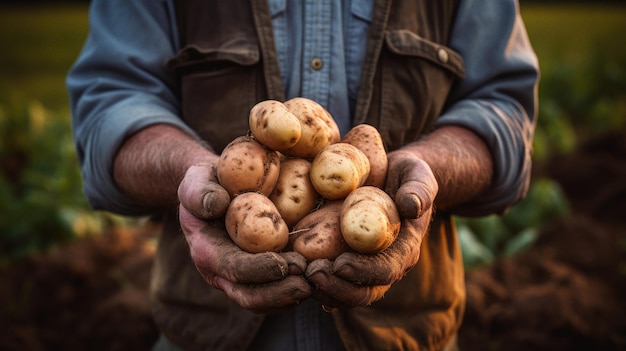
{"points": [[264, 282], [354, 279], [359, 280]]}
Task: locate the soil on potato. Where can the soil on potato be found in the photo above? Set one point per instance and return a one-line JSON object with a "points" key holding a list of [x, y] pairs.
{"points": [[565, 293]]}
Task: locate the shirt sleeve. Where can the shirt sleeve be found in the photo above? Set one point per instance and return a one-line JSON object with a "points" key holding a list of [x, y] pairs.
{"points": [[497, 99], [118, 85]]}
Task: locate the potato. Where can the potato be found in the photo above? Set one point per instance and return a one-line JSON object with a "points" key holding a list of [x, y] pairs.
{"points": [[318, 235], [245, 165], [274, 126], [294, 194], [254, 224], [369, 220], [318, 128], [367, 139], [339, 169]]}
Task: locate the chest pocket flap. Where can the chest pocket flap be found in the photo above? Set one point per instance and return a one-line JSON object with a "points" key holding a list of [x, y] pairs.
{"points": [[407, 43], [241, 52]]}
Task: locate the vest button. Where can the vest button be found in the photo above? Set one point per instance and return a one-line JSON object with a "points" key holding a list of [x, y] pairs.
{"points": [[442, 54], [317, 64]]}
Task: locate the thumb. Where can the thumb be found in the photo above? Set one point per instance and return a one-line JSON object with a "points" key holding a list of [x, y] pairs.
{"points": [[417, 191], [200, 193]]}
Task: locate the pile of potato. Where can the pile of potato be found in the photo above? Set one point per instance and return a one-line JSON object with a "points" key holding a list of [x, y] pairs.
{"points": [[296, 185]]}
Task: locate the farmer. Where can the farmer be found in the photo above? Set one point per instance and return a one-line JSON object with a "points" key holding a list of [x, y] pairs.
{"points": [[162, 86]]}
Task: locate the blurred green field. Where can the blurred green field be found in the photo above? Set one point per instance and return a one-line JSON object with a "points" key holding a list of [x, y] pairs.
{"points": [[39, 43], [574, 33], [583, 90]]}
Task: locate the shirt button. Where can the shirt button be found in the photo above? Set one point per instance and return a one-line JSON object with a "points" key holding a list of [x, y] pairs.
{"points": [[316, 64], [442, 55]]}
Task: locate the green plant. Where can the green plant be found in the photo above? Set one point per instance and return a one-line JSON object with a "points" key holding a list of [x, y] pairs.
{"points": [[487, 238], [579, 101], [41, 203]]}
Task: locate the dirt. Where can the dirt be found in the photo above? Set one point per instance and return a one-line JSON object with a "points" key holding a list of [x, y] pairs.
{"points": [[564, 293], [567, 291], [89, 295]]}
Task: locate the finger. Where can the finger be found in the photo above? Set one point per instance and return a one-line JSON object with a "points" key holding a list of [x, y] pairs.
{"points": [[417, 190], [334, 292], [201, 194], [413, 199], [213, 252], [295, 261], [267, 298]]}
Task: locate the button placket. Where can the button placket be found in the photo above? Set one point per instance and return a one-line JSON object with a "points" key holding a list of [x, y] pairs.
{"points": [[316, 50]]}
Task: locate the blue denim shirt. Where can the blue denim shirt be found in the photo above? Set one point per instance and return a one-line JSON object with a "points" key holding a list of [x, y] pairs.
{"points": [[331, 35]]}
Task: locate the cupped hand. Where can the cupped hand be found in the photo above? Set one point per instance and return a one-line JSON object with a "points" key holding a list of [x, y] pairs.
{"points": [[264, 282], [355, 279]]}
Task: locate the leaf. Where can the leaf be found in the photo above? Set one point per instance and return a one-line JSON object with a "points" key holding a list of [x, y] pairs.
{"points": [[520, 242], [474, 252]]}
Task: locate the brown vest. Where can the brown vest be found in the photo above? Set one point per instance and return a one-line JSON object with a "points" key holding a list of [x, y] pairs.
{"points": [[227, 64]]}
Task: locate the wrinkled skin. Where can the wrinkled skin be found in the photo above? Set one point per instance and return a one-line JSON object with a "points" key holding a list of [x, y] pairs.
{"points": [[359, 280], [264, 282]]}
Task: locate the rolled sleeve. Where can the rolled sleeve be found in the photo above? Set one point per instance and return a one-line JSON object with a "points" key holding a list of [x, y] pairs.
{"points": [[498, 98], [118, 85], [99, 142]]}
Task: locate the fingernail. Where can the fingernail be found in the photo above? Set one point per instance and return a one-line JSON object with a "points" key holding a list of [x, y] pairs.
{"points": [[294, 269], [318, 278], [328, 309]]}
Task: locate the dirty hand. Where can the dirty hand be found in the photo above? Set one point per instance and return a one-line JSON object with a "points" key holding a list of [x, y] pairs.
{"points": [[264, 282], [357, 279]]}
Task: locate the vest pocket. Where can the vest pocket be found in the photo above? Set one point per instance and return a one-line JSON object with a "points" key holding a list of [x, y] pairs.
{"points": [[218, 87], [407, 43], [415, 77]]}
